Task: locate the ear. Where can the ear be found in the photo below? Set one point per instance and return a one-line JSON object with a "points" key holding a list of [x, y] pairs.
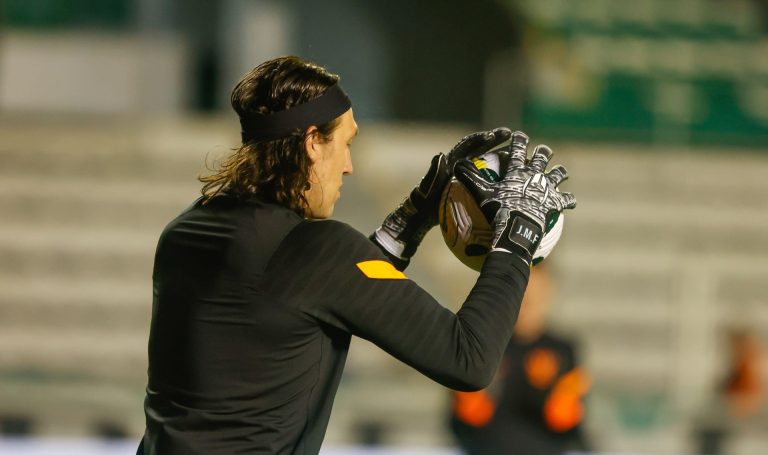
{"points": [[311, 143]]}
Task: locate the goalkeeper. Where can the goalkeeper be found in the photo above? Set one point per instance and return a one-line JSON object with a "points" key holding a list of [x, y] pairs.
{"points": [[256, 294]]}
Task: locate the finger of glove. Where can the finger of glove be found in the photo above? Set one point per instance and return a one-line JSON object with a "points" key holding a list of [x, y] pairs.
{"points": [[436, 177], [519, 150], [567, 200], [557, 175], [502, 132], [469, 144], [500, 136], [470, 177], [478, 143], [540, 158]]}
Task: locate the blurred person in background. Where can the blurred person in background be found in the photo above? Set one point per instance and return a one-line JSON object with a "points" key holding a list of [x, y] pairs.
{"points": [[743, 386], [535, 403], [256, 294], [740, 396]]}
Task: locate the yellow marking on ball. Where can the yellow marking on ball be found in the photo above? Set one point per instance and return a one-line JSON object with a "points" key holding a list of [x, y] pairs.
{"points": [[480, 164]]}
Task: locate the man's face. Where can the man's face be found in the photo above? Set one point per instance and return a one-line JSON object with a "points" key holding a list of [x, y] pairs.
{"points": [[330, 161]]}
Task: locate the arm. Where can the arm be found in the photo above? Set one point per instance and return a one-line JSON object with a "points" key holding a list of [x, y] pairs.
{"points": [[380, 304]]}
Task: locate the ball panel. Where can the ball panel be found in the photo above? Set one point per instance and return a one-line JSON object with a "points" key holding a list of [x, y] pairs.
{"points": [[465, 230], [550, 239], [446, 218]]}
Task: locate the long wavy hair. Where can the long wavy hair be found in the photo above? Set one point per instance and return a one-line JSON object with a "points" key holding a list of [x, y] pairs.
{"points": [[276, 170]]}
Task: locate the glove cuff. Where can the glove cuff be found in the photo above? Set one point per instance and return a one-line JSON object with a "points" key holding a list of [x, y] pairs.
{"points": [[518, 235], [407, 225], [387, 242], [391, 247]]}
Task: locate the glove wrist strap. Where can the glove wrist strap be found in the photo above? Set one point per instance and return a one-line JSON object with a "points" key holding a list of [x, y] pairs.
{"points": [[519, 235], [393, 246]]}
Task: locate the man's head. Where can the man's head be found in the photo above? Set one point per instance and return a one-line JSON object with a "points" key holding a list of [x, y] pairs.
{"points": [[297, 126]]}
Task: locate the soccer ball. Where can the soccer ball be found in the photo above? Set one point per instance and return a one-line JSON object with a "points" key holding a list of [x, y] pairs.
{"points": [[465, 230]]}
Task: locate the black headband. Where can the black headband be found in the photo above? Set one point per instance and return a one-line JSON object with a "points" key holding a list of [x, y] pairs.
{"points": [[326, 107]]}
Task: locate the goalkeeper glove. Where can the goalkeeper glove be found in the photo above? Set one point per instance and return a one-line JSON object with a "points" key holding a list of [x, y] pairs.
{"points": [[403, 230], [519, 205]]}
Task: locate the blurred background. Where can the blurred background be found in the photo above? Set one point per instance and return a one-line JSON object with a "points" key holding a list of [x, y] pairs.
{"points": [[110, 109]]}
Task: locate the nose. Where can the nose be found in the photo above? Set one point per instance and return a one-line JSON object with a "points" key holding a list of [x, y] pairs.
{"points": [[348, 165]]}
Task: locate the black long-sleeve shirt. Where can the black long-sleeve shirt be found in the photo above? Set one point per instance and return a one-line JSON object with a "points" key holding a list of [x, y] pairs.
{"points": [[252, 316]]}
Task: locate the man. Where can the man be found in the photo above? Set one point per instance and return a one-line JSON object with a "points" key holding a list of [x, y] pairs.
{"points": [[256, 294]]}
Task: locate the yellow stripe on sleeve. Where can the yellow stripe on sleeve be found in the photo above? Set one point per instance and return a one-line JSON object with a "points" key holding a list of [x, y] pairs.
{"points": [[380, 270]]}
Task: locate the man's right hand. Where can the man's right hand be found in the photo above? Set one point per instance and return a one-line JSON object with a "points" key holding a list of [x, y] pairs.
{"points": [[519, 205]]}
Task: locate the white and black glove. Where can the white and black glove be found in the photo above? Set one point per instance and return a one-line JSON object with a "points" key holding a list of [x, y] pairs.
{"points": [[519, 206], [403, 230]]}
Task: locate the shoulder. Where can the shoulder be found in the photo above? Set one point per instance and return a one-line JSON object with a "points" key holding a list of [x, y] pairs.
{"points": [[328, 226], [335, 234], [330, 247], [248, 217], [325, 255]]}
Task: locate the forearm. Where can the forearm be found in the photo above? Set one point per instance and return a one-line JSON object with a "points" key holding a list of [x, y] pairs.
{"points": [[486, 319], [460, 351], [345, 283]]}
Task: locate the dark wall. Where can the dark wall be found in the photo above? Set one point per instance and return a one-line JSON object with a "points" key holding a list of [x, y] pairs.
{"points": [[408, 60], [441, 50]]}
